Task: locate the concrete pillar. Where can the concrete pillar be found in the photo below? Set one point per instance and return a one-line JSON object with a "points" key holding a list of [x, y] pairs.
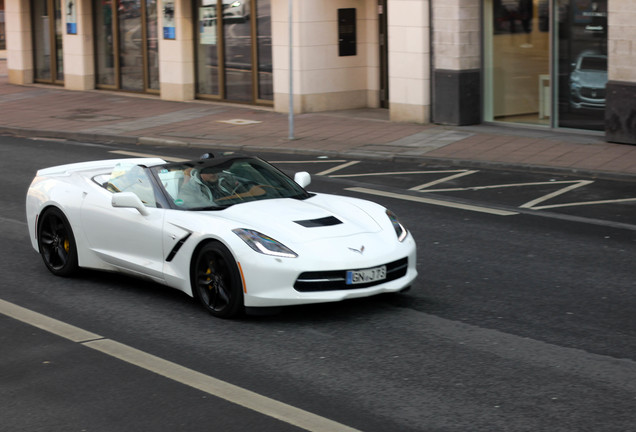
{"points": [[409, 60], [620, 110], [19, 41], [457, 61], [323, 79], [176, 57], [79, 57]]}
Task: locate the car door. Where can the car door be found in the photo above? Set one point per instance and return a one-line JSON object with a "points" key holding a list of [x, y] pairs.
{"points": [[123, 237]]}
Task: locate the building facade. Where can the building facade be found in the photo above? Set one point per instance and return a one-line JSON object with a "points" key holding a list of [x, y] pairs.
{"points": [[545, 63]]}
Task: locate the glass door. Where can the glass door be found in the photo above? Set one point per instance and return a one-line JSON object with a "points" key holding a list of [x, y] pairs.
{"points": [[3, 41], [234, 50], [545, 62], [581, 67], [47, 41], [126, 45], [517, 61], [384, 53]]}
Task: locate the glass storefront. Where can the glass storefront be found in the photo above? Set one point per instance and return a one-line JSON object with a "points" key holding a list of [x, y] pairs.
{"points": [[545, 62], [47, 41], [234, 50], [126, 45], [581, 48], [3, 39]]}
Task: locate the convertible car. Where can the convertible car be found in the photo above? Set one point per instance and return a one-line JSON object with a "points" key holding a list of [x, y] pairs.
{"points": [[235, 232]]}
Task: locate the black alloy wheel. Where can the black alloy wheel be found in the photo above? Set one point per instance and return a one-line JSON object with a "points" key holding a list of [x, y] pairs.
{"points": [[216, 281], [57, 243]]}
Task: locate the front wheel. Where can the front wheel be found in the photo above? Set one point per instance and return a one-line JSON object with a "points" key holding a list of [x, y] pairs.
{"points": [[216, 281], [57, 243]]}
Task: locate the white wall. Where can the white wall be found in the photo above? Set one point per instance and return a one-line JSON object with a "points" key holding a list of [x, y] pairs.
{"points": [[409, 60], [322, 79], [621, 24]]}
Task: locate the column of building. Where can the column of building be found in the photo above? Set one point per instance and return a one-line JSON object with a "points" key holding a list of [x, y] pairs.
{"points": [[409, 60], [620, 110], [79, 61], [19, 41], [176, 56], [456, 61]]}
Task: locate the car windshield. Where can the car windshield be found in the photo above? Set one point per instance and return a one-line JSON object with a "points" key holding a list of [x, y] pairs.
{"points": [[214, 185], [594, 63]]}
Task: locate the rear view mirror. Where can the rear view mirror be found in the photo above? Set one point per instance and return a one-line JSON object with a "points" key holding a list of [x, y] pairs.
{"points": [[129, 200], [302, 178]]}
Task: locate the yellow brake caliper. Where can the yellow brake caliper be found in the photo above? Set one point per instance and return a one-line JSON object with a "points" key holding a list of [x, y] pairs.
{"points": [[209, 279]]}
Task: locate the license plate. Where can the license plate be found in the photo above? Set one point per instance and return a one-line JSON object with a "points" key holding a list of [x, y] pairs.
{"points": [[367, 275]]}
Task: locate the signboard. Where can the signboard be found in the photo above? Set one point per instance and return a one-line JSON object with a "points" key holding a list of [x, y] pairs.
{"points": [[168, 20], [71, 17]]}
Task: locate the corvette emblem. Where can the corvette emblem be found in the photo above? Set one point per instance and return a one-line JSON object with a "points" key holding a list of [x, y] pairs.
{"points": [[360, 251]]}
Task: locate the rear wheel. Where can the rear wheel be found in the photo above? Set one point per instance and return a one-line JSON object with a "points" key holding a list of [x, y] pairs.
{"points": [[216, 281], [57, 243]]}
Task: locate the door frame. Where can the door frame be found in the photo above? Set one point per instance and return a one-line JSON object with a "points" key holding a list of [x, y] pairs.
{"points": [[53, 48]]}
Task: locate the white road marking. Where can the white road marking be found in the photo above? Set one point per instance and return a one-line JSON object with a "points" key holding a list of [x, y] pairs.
{"points": [[221, 389], [442, 180], [46, 323], [135, 154], [576, 185], [433, 201], [338, 168], [4, 219], [393, 173], [509, 185], [583, 203]]}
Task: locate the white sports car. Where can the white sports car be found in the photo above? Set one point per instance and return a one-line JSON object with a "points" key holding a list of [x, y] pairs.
{"points": [[235, 232]]}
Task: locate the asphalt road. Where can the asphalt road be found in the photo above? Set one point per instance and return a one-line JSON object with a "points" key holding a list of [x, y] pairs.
{"points": [[522, 322]]}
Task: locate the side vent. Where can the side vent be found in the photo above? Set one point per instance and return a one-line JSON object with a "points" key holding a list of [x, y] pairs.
{"points": [[176, 247]]}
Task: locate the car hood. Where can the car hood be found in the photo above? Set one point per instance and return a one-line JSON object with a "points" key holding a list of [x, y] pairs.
{"points": [[318, 217], [593, 79]]}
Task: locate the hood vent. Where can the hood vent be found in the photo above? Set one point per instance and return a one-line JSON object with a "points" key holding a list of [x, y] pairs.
{"points": [[322, 222]]}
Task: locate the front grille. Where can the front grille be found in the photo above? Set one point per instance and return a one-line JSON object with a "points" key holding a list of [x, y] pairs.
{"points": [[336, 279], [593, 93]]}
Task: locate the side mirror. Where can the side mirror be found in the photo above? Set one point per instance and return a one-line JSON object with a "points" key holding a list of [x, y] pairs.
{"points": [[129, 200], [302, 178]]}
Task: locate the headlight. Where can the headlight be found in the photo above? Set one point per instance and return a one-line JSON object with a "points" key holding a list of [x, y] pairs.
{"points": [[235, 4], [400, 231], [264, 244]]}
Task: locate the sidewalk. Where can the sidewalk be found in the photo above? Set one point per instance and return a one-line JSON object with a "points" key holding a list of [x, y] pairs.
{"points": [[102, 116]]}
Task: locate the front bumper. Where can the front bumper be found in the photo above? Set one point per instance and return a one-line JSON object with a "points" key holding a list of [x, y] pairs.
{"points": [[271, 281]]}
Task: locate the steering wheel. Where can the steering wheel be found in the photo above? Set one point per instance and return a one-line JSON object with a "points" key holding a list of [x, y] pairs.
{"points": [[228, 183]]}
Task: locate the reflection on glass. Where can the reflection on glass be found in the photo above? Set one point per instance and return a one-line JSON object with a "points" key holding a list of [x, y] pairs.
{"points": [[152, 44], [3, 44], [520, 72], [582, 63], [130, 45], [59, 31], [264, 41], [41, 39], [207, 48], [48, 53], [238, 76], [104, 55], [237, 35]]}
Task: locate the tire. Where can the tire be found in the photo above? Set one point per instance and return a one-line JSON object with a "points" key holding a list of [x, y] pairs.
{"points": [[56, 243], [216, 281]]}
